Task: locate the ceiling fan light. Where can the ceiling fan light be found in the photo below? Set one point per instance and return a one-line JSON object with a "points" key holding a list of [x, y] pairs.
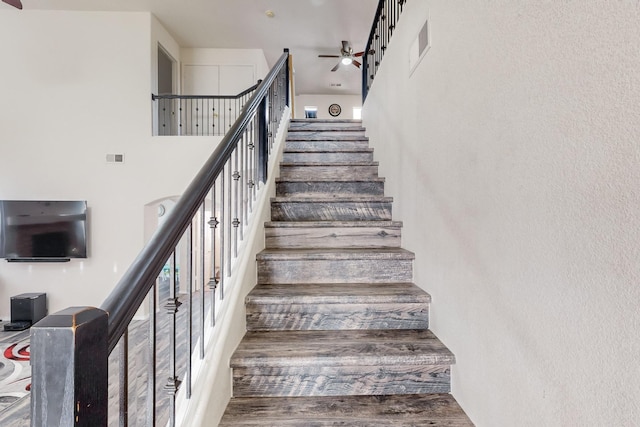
{"points": [[346, 61]]}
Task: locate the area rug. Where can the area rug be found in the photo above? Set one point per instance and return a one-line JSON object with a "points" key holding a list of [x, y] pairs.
{"points": [[15, 370]]}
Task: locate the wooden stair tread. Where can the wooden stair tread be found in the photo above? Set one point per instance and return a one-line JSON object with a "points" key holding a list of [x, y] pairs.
{"points": [[327, 137], [328, 121], [439, 410], [329, 150], [341, 348], [276, 254], [328, 179], [327, 129], [331, 199], [331, 164], [338, 293], [328, 224]]}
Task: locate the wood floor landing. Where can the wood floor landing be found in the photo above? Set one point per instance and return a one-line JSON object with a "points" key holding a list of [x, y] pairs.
{"points": [[436, 410]]}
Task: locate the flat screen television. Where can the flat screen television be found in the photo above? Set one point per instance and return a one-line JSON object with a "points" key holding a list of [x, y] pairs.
{"points": [[43, 230]]}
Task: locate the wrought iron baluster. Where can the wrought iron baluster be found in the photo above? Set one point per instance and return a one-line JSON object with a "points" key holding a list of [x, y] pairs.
{"points": [[213, 278], [202, 273], [189, 316], [222, 228], [124, 380], [151, 365], [171, 306], [236, 190], [243, 184], [251, 164], [230, 221], [213, 118]]}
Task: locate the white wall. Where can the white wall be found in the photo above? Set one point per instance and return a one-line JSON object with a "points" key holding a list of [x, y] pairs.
{"points": [[513, 155], [76, 86], [346, 102]]}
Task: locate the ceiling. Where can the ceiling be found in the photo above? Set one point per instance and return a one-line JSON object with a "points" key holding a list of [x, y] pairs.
{"points": [[307, 27]]}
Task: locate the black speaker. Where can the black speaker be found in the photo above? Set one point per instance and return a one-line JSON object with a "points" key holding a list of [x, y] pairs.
{"points": [[27, 309]]}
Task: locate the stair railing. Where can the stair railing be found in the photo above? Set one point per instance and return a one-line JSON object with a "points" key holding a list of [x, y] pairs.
{"points": [[199, 115], [384, 23], [71, 383]]}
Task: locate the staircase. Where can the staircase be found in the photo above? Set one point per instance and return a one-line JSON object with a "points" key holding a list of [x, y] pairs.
{"points": [[337, 333]]}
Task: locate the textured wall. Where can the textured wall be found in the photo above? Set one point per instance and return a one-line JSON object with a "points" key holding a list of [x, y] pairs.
{"points": [[513, 153]]}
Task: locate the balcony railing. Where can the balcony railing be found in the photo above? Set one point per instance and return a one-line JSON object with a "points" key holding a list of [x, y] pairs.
{"points": [[199, 115], [387, 16], [74, 379]]}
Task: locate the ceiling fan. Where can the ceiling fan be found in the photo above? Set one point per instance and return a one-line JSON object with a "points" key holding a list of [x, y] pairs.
{"points": [[14, 3], [346, 56]]}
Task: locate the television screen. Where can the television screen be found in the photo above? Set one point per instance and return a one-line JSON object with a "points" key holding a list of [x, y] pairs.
{"points": [[43, 229]]}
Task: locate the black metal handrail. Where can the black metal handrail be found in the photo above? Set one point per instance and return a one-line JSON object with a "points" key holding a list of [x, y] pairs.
{"points": [[171, 96], [384, 23], [70, 349], [201, 115]]}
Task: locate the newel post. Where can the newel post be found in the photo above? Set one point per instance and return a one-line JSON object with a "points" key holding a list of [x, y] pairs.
{"points": [[69, 368], [287, 78], [263, 139]]}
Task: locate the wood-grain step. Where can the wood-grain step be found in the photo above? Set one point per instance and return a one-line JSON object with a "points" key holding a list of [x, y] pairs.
{"points": [[329, 187], [345, 363], [319, 170], [328, 156], [334, 133], [337, 306], [361, 265], [332, 234], [344, 127], [326, 136], [301, 144], [435, 410], [322, 122], [347, 208]]}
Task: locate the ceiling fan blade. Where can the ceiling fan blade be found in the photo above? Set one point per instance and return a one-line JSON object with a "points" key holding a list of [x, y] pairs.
{"points": [[329, 56], [356, 63], [336, 67], [14, 3], [358, 54]]}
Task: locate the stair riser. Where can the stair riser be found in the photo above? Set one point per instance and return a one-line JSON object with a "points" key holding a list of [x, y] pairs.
{"points": [[332, 237], [327, 172], [330, 211], [335, 271], [345, 127], [313, 380], [326, 134], [325, 145], [320, 126], [329, 188], [291, 317], [358, 156]]}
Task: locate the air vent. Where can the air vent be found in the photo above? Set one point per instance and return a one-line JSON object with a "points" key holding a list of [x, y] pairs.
{"points": [[115, 158], [419, 47]]}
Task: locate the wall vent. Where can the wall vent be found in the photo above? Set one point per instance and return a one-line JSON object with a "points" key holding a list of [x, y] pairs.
{"points": [[115, 158], [419, 47]]}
